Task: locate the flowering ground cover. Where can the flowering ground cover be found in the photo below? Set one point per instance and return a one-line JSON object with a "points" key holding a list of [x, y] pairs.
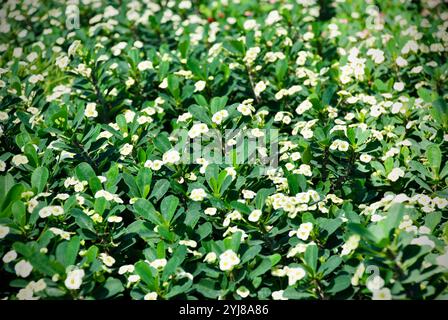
{"points": [[242, 149]]}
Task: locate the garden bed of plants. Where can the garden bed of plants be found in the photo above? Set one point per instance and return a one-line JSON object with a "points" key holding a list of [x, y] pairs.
{"points": [[101, 199]]}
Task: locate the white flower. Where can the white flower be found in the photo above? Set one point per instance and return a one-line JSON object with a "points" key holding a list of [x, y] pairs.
{"points": [[351, 244], [304, 231], [37, 286], [171, 156], [19, 159], [358, 274], [115, 219], [442, 260], [377, 55], [197, 129], [150, 296], [126, 149], [199, 86], [105, 194], [164, 84], [4, 231], [305, 169], [74, 279], [231, 172], [248, 194], [254, 215], [210, 211], [399, 86], [9, 256], [23, 268], [228, 260], [273, 17], [401, 62], [188, 243], [395, 174], [278, 295], [304, 106], [107, 259], [51, 211], [145, 65], [243, 292], [63, 234], [184, 117], [294, 275], [62, 61], [246, 110], [210, 257], [198, 194], [133, 278], [73, 47], [220, 116], [129, 82], [250, 24], [26, 294], [423, 241], [382, 294], [154, 165], [259, 87], [90, 110], [375, 283], [158, 263], [365, 158], [340, 145], [126, 269]]}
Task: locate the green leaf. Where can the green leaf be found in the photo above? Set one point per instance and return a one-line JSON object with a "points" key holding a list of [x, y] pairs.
{"points": [[204, 230], [109, 289], [266, 264], [393, 218], [15, 193], [439, 112], [159, 189], [311, 256], [250, 253], [67, 251], [146, 274], [144, 178], [297, 183], [235, 46], [18, 210], [200, 113], [261, 197], [173, 86], [6, 183], [39, 179], [206, 287], [100, 205], [174, 262], [168, 207], [294, 294], [339, 283], [82, 220], [281, 67], [432, 220], [362, 231], [84, 172], [145, 209], [330, 265], [162, 143], [434, 156]]}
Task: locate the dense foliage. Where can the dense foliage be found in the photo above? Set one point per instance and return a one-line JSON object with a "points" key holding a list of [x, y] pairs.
{"points": [[96, 204]]}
